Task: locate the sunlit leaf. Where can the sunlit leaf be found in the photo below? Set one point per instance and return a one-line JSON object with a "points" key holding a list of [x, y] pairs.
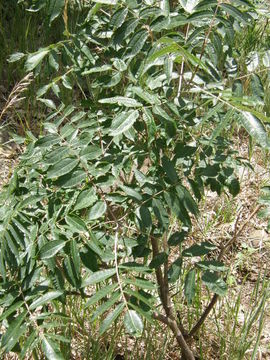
{"points": [[133, 323]]}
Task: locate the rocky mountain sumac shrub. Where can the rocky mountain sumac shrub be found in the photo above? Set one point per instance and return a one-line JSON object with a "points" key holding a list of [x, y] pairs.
{"points": [[141, 95]]}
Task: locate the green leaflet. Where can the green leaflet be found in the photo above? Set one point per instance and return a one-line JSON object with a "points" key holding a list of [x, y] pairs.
{"points": [[176, 206], [174, 48], [107, 2], [189, 5], [98, 276], [214, 283], [199, 249], [222, 125], [177, 238], [91, 152], [145, 216], [11, 310], [76, 223], [55, 9], [51, 248], [255, 128], [188, 201], [169, 169], [146, 300], [49, 103], [13, 332], [71, 180], [51, 349], [62, 167], [190, 286], [145, 314], [97, 210], [104, 291], [133, 323], [15, 57], [133, 266], [257, 89], [131, 192], [47, 141], [141, 283], [149, 98], [72, 272], [211, 265], [97, 69], [158, 260], [75, 258], [54, 156], [45, 299], [165, 7], [121, 101], [175, 270], [106, 305], [123, 122], [235, 13], [27, 346], [85, 199], [137, 42], [124, 31], [33, 60], [118, 17], [111, 318], [160, 213]]}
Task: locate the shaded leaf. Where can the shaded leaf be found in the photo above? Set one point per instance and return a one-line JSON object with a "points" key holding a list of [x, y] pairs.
{"points": [[190, 286], [158, 260], [100, 294], [111, 318], [107, 305], [199, 249], [175, 270], [55, 9], [169, 169], [214, 283], [45, 299], [141, 283], [177, 238], [13, 334], [211, 265]]}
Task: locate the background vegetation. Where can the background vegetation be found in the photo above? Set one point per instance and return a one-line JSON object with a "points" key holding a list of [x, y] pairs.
{"points": [[126, 226]]}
